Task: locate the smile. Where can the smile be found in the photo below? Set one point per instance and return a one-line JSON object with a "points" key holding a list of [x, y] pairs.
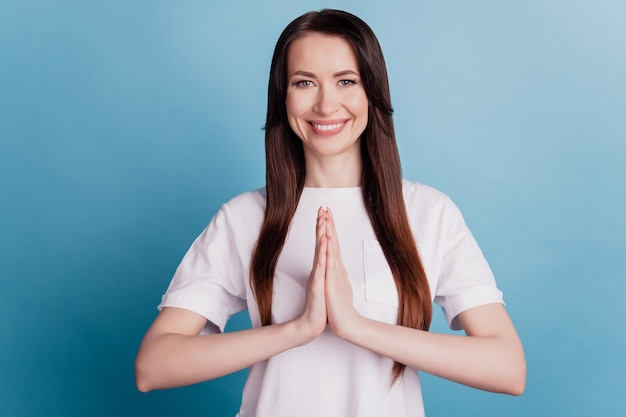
{"points": [[330, 128]]}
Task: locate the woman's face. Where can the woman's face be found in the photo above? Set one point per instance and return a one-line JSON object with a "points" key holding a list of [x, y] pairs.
{"points": [[326, 102]]}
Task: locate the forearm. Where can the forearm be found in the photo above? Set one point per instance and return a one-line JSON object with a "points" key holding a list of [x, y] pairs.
{"points": [[493, 363], [171, 360]]}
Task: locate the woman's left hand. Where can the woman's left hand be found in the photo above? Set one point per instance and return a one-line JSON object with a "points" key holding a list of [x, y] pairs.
{"points": [[490, 357], [342, 315]]}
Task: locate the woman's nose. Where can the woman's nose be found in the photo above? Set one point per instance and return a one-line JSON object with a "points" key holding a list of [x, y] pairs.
{"points": [[327, 101]]}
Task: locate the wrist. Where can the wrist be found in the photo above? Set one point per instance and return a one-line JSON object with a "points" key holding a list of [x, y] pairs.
{"points": [[303, 331], [350, 328]]}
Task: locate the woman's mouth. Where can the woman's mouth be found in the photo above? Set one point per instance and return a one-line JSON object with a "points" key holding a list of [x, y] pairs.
{"points": [[327, 128]]}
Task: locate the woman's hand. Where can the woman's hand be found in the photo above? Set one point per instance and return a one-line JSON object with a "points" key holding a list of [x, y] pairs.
{"points": [[313, 319], [490, 357], [172, 354], [342, 316], [329, 293]]}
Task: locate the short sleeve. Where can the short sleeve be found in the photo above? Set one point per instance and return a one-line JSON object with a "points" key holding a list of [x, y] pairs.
{"points": [[210, 278], [465, 279]]}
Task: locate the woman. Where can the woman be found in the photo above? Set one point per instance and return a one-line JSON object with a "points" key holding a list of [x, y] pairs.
{"points": [[339, 309]]}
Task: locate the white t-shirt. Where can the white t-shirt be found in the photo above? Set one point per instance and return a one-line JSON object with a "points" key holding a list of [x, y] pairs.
{"points": [[330, 377]]}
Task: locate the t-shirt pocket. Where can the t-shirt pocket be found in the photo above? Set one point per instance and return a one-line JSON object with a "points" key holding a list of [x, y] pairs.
{"points": [[380, 286]]}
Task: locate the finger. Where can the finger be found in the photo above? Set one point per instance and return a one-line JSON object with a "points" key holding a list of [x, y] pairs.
{"points": [[320, 231], [332, 254], [332, 231], [321, 214], [321, 218], [321, 262], [330, 258]]}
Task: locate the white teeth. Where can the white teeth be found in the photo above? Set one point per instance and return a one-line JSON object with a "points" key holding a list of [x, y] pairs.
{"points": [[328, 127]]}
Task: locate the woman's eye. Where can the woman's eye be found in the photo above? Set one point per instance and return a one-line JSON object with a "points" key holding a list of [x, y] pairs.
{"points": [[304, 83], [346, 83]]}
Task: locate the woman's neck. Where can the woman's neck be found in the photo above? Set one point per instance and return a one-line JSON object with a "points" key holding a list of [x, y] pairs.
{"points": [[333, 172]]}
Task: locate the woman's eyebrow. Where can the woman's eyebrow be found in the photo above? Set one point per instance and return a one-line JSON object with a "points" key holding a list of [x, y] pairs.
{"points": [[304, 74], [346, 72], [337, 74]]}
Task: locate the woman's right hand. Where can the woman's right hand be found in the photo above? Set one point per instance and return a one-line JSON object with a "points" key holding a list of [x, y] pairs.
{"points": [[172, 353], [313, 319]]}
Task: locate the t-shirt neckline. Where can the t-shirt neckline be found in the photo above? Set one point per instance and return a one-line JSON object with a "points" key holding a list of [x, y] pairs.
{"points": [[347, 193]]}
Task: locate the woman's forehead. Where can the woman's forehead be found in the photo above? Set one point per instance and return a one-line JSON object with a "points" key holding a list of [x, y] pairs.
{"points": [[321, 53]]}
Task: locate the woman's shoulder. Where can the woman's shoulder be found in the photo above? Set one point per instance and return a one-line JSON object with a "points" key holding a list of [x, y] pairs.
{"points": [[250, 204], [429, 204], [241, 215], [252, 197], [416, 192]]}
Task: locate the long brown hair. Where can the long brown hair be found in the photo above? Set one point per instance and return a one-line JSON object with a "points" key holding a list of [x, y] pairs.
{"points": [[381, 177]]}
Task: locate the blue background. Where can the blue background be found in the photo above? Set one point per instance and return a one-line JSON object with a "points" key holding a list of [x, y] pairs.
{"points": [[125, 125]]}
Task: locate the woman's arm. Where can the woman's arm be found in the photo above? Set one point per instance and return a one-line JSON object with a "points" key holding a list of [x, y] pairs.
{"points": [[490, 357], [172, 354]]}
